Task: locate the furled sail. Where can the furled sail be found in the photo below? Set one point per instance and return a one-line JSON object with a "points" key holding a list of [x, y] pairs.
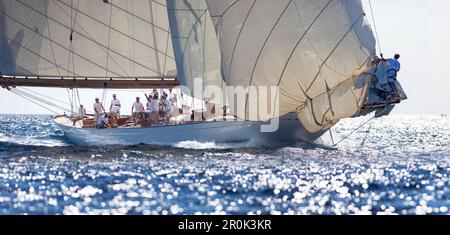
{"points": [[195, 45], [85, 38], [313, 50]]}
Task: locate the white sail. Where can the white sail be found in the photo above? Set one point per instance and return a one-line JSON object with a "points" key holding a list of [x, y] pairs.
{"points": [[311, 49], [195, 45], [110, 38]]}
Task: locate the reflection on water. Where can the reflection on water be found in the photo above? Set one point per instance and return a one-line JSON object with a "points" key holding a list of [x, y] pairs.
{"points": [[403, 168]]}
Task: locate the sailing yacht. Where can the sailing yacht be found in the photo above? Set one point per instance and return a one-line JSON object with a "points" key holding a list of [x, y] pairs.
{"points": [[320, 56]]}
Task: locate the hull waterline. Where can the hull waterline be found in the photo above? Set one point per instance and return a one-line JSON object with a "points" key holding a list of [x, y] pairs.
{"points": [[290, 130]]}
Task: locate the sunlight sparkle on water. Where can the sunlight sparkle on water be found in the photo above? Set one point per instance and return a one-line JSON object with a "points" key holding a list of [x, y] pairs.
{"points": [[403, 168]]}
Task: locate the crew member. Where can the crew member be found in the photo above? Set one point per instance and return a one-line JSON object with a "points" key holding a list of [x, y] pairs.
{"points": [[81, 112], [102, 122], [167, 107], [98, 108], [136, 110], [154, 109], [115, 110]]}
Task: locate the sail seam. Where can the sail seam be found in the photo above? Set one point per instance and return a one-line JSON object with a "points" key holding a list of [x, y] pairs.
{"points": [[56, 43], [341, 83], [165, 57], [98, 21], [334, 49], [34, 53], [90, 38], [138, 17], [51, 43], [62, 46], [238, 37], [226, 10], [263, 47], [296, 46]]}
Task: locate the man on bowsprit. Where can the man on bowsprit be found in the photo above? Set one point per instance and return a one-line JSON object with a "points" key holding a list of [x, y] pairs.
{"points": [[394, 66]]}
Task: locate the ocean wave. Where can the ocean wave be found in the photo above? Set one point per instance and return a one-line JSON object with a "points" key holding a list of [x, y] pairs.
{"points": [[213, 145]]}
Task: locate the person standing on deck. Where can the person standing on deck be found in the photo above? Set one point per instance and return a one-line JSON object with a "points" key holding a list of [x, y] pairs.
{"points": [[115, 110], [173, 98], [167, 106], [136, 110], [154, 92], [98, 108], [80, 116], [153, 108], [81, 112]]}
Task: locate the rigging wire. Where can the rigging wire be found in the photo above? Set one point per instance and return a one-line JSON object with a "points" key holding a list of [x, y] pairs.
{"points": [[31, 96], [331, 136], [45, 96], [361, 126], [32, 101], [367, 135], [155, 42], [354, 131], [375, 26], [107, 53]]}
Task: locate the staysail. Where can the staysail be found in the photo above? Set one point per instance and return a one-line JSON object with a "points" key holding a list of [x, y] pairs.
{"points": [[312, 50], [195, 46], [86, 38]]}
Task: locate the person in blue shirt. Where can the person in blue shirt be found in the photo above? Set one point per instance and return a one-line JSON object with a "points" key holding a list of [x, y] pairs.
{"points": [[393, 67], [102, 122], [394, 64]]}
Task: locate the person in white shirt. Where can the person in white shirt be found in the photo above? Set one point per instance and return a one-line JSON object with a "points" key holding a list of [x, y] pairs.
{"points": [[79, 116], [153, 108], [167, 106], [155, 92], [137, 109], [115, 102], [114, 110], [98, 108], [81, 112], [173, 98]]}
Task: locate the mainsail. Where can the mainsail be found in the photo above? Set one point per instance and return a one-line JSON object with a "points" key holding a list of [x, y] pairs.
{"points": [[86, 38], [312, 50]]}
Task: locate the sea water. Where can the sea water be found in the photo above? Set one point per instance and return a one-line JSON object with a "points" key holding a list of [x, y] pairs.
{"points": [[394, 165]]}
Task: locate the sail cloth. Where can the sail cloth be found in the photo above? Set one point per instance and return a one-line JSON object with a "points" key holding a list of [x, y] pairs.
{"points": [[311, 49], [87, 38], [195, 46]]}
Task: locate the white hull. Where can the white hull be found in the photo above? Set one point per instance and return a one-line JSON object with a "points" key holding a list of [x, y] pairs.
{"points": [[290, 130]]}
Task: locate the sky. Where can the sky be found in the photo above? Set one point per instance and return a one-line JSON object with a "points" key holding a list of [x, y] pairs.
{"points": [[419, 30]]}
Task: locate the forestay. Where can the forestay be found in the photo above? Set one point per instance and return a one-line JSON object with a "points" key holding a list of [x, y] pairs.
{"points": [[312, 50]]}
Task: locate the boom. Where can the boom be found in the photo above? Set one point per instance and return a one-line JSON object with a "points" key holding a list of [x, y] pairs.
{"points": [[89, 82]]}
